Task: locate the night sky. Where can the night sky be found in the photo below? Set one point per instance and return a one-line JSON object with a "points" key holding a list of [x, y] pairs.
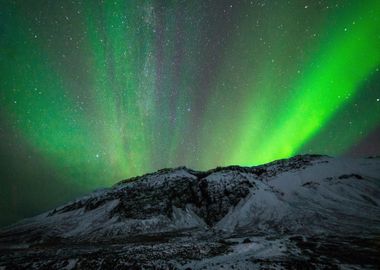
{"points": [[92, 92]]}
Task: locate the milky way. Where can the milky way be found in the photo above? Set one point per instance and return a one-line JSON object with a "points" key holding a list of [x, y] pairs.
{"points": [[96, 91]]}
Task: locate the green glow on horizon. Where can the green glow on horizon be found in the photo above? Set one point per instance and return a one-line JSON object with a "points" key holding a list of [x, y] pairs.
{"points": [[41, 109]]}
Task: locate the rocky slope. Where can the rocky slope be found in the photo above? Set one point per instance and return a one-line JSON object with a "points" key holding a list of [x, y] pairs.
{"points": [[308, 212]]}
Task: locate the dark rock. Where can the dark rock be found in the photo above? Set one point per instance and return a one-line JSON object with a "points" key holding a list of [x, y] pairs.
{"points": [[246, 241]]}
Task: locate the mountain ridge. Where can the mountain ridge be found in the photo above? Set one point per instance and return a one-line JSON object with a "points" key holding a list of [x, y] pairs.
{"points": [[277, 214], [200, 173]]}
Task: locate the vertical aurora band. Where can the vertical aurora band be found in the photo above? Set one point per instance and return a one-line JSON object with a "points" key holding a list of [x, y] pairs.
{"points": [[270, 127], [341, 67]]}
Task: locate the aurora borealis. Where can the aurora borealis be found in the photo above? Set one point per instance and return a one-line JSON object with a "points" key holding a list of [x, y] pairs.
{"points": [[93, 92]]}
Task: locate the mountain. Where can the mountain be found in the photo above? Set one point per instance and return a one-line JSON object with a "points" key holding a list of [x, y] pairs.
{"points": [[306, 212]]}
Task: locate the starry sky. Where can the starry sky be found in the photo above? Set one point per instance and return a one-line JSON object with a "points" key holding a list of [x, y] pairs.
{"points": [[92, 92]]}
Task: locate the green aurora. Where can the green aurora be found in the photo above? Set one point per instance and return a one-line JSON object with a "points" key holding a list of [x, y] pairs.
{"points": [[93, 92]]}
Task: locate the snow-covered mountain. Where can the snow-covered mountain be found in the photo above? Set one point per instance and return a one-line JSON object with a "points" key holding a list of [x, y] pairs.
{"points": [[308, 212]]}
